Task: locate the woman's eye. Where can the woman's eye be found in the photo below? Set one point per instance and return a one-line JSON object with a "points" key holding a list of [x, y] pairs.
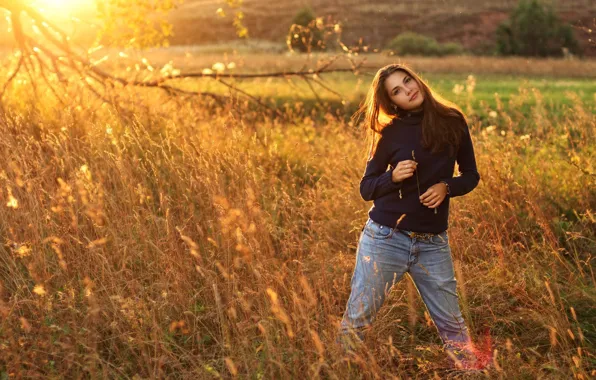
{"points": [[408, 79], [396, 92]]}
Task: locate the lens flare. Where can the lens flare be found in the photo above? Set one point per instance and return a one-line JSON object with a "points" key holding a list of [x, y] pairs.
{"points": [[61, 7]]}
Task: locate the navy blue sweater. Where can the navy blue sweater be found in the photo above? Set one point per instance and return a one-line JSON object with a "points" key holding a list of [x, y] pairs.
{"points": [[396, 144]]}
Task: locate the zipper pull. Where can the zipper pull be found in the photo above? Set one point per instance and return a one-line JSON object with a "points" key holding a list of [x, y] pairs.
{"points": [[400, 197]]}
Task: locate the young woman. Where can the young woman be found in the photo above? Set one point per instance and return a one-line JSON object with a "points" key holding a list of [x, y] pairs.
{"points": [[409, 176]]}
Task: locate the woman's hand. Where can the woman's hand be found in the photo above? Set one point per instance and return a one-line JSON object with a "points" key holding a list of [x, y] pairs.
{"points": [[404, 169], [434, 196]]}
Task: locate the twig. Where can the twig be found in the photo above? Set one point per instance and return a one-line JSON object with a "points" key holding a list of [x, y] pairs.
{"points": [[12, 75], [42, 67], [307, 80], [320, 83], [255, 99], [582, 169]]}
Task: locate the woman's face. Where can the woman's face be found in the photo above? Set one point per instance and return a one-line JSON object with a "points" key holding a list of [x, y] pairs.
{"points": [[403, 91]]}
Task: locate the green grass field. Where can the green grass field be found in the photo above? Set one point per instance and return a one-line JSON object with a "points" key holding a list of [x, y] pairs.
{"points": [[555, 92]]}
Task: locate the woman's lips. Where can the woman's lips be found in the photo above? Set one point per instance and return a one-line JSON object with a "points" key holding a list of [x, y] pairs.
{"points": [[414, 96]]}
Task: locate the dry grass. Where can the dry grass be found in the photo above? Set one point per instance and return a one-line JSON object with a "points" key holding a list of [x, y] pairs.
{"points": [[183, 241]]}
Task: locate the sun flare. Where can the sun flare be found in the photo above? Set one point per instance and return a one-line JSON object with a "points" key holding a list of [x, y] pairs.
{"points": [[62, 6]]}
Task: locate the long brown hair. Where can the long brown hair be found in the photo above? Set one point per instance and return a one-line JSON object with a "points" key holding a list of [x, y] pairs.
{"points": [[442, 125]]}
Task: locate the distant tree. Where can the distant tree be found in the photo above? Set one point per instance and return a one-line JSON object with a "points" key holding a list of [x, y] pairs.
{"points": [[418, 44], [304, 16], [533, 29], [306, 32]]}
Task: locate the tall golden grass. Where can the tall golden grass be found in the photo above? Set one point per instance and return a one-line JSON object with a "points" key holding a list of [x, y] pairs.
{"points": [[170, 239]]}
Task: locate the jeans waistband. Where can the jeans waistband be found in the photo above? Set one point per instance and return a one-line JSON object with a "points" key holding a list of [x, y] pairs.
{"points": [[412, 234], [418, 235]]}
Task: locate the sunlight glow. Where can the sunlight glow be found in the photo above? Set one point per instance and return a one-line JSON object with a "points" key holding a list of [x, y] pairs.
{"points": [[62, 6]]}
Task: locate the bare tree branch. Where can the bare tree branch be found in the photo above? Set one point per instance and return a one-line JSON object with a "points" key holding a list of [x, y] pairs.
{"points": [[12, 75], [313, 91], [253, 98], [299, 73]]}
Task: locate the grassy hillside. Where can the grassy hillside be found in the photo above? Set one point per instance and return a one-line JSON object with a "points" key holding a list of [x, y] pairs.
{"points": [[469, 22]]}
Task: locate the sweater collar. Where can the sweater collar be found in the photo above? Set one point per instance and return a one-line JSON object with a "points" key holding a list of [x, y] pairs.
{"points": [[409, 117]]}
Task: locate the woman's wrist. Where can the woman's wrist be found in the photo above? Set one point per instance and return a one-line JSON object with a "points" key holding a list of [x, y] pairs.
{"points": [[446, 187]]}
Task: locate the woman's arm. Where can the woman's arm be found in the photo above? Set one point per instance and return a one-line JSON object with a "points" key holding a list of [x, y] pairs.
{"points": [[469, 177], [376, 180]]}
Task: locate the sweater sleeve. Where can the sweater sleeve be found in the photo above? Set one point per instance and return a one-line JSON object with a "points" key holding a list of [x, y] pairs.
{"points": [[468, 177], [376, 180]]}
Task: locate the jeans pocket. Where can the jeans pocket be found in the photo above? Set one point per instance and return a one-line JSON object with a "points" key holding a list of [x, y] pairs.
{"points": [[377, 231]]}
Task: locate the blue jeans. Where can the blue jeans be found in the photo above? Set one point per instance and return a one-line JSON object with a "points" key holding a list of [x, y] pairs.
{"points": [[384, 254]]}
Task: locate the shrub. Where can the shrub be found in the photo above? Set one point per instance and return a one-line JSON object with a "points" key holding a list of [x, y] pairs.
{"points": [[304, 16], [451, 48], [533, 29], [417, 44], [306, 33]]}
